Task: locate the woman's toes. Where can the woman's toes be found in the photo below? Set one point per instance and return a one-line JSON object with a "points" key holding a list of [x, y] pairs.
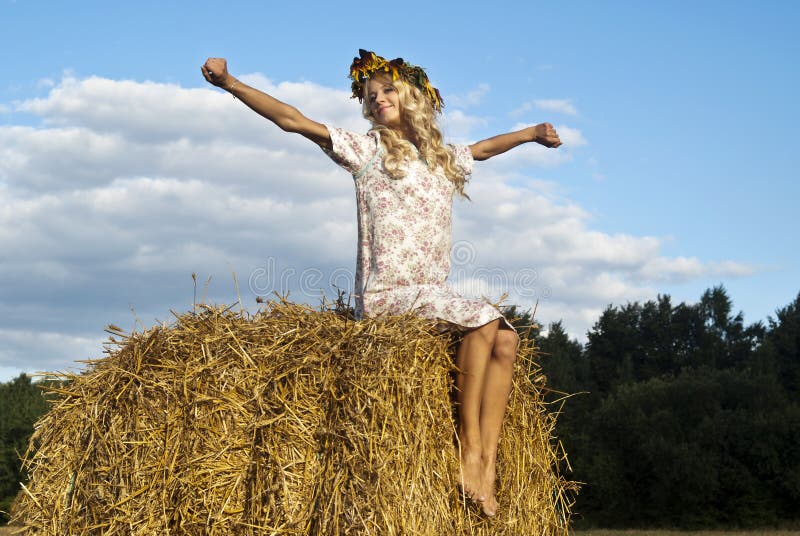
{"points": [[489, 507]]}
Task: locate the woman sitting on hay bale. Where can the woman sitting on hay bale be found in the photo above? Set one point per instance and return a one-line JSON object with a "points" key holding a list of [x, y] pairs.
{"points": [[405, 179]]}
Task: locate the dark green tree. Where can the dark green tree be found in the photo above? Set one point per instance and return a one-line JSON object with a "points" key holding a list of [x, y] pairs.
{"points": [[21, 404], [563, 362], [707, 448], [726, 342], [637, 342], [612, 346], [693, 416], [780, 353]]}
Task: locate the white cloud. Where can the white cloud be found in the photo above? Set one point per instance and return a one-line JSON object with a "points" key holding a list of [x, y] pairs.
{"points": [[45, 83], [522, 109], [560, 106], [681, 269], [732, 269], [472, 98], [54, 352], [458, 127], [129, 187], [570, 137]]}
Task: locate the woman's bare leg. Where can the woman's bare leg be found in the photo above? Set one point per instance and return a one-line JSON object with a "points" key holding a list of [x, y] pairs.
{"points": [[497, 387], [472, 360]]}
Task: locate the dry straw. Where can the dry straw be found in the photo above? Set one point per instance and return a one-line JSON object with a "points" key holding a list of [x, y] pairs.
{"points": [[288, 421]]}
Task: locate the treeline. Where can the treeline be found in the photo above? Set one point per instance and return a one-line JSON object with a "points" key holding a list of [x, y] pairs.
{"points": [[684, 417]]}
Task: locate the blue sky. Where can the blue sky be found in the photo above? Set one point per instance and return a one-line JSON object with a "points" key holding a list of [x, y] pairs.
{"points": [[122, 171]]}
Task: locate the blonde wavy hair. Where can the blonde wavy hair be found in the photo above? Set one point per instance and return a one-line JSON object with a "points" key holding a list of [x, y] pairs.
{"points": [[417, 112]]}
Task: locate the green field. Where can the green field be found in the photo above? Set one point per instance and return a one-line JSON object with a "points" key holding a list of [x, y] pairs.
{"points": [[764, 532]]}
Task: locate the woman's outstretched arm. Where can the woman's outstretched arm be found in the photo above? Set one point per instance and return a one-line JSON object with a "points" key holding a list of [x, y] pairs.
{"points": [[287, 117], [543, 134]]}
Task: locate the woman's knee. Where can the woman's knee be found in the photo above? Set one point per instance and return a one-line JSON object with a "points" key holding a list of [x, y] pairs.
{"points": [[486, 333], [505, 345]]}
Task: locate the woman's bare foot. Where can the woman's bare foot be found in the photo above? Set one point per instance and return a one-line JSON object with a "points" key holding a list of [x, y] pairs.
{"points": [[470, 477], [489, 503]]}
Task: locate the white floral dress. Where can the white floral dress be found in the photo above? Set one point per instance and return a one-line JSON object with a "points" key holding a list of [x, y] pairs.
{"points": [[404, 236]]}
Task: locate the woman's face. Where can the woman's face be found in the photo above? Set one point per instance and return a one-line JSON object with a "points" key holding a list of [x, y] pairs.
{"points": [[384, 102]]}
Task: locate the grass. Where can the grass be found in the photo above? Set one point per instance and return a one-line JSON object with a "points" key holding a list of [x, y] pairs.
{"points": [[758, 532]]}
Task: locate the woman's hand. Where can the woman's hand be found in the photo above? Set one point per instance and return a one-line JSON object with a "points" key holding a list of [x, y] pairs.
{"points": [[215, 71], [546, 135], [543, 133]]}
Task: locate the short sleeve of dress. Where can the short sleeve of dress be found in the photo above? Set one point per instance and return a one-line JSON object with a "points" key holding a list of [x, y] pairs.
{"points": [[463, 157], [352, 151]]}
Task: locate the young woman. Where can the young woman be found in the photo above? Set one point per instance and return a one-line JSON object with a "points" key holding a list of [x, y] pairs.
{"points": [[405, 179]]}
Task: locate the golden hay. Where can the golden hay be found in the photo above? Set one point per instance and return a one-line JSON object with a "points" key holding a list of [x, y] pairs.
{"points": [[289, 421]]}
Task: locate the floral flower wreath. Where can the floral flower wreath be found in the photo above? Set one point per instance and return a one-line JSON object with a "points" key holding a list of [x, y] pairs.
{"points": [[370, 63]]}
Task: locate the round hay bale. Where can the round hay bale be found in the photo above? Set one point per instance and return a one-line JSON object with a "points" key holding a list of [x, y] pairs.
{"points": [[288, 421]]}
